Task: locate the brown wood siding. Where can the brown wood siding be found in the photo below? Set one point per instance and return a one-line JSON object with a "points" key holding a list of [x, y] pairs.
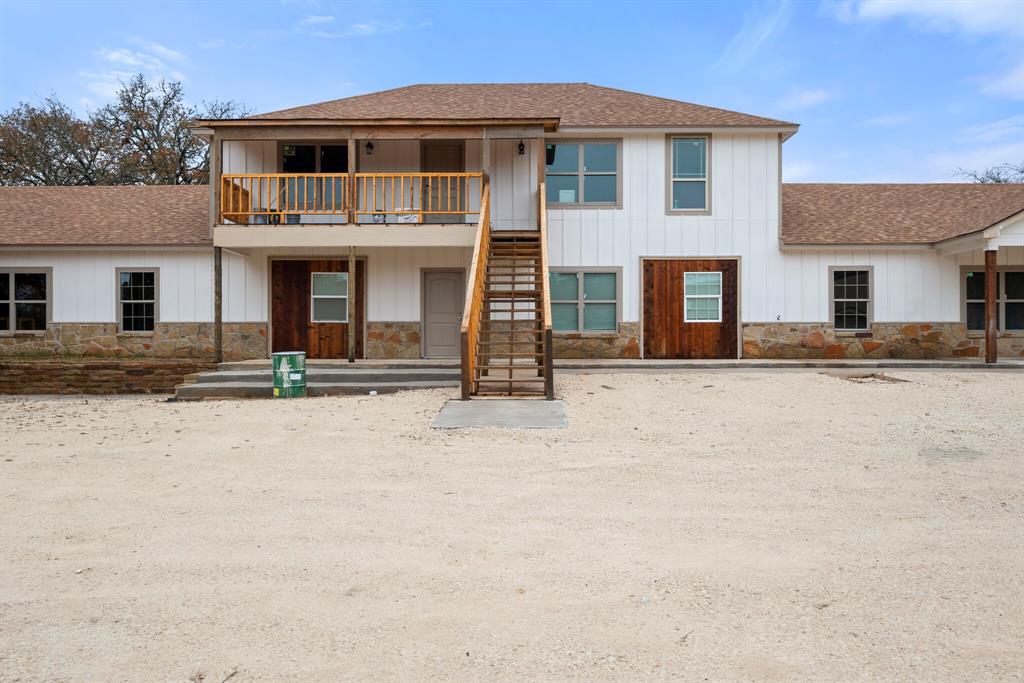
{"points": [[290, 309], [666, 335]]}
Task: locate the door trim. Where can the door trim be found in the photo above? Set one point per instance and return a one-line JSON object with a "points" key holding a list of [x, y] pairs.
{"points": [[739, 293], [423, 303], [268, 264]]}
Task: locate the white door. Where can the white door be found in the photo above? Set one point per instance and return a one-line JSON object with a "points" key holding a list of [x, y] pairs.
{"points": [[443, 297]]}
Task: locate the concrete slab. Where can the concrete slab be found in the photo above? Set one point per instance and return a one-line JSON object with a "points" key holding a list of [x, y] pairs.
{"points": [[511, 413]]}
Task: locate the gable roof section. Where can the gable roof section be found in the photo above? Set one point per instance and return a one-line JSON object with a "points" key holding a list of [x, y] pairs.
{"points": [[893, 213], [575, 104], [164, 215]]}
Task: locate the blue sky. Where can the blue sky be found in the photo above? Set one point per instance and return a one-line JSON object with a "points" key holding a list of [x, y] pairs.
{"points": [[884, 90]]}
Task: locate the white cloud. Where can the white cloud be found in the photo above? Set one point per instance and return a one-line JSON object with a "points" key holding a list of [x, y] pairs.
{"points": [[806, 98], [316, 19], [797, 171], [969, 16], [944, 165], [366, 29], [890, 120], [1011, 127], [1009, 84], [115, 66], [757, 29], [161, 51]]}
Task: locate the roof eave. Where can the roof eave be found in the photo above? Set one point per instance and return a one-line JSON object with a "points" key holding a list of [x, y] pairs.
{"points": [[548, 122]]}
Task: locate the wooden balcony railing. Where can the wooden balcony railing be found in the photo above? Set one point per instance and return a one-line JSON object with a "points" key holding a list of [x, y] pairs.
{"points": [[472, 314], [273, 197], [261, 198], [549, 362], [413, 197]]}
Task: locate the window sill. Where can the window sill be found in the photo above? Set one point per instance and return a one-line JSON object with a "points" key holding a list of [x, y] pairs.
{"points": [[688, 212], [586, 335], [127, 333], [23, 333], [552, 207], [862, 334]]}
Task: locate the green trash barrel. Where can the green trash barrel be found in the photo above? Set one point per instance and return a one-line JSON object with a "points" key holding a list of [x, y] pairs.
{"points": [[289, 374]]}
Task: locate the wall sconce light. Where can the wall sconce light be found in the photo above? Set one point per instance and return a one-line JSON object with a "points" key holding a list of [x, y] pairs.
{"points": [[522, 148], [369, 149]]}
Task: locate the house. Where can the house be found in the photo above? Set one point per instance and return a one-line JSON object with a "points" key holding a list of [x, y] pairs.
{"points": [[509, 224]]}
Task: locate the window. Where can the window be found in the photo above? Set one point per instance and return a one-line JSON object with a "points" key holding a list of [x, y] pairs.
{"points": [[330, 298], [24, 302], [851, 299], [702, 293], [688, 173], [583, 173], [1009, 300], [584, 301], [136, 300]]}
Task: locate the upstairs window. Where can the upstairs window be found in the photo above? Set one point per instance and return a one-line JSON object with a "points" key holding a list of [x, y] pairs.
{"points": [[584, 300], [1009, 300], [136, 300], [583, 173], [688, 173], [24, 300], [851, 299]]}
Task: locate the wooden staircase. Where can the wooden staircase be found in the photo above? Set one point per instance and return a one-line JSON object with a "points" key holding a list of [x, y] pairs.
{"points": [[506, 341]]}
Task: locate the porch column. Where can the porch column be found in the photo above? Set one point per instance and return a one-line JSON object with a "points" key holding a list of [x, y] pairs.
{"points": [[218, 317], [352, 289], [991, 330]]}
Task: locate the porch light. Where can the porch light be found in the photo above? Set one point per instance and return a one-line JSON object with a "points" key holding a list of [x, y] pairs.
{"points": [[369, 149], [522, 148]]}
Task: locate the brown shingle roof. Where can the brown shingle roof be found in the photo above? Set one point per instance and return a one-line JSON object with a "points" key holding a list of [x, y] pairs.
{"points": [[124, 215], [576, 104], [893, 214]]}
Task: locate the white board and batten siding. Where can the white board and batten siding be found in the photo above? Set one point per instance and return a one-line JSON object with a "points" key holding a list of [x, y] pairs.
{"points": [[83, 287], [910, 285]]}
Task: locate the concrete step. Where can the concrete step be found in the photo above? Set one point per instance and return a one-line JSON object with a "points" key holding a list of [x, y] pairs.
{"points": [[236, 389], [331, 375]]}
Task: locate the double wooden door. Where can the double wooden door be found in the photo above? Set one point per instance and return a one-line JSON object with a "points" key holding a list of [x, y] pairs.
{"points": [[690, 308], [295, 326]]}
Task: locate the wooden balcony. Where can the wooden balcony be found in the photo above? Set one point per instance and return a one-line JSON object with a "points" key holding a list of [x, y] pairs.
{"points": [[355, 198]]}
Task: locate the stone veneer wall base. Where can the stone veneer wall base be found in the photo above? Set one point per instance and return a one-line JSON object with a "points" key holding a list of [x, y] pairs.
{"points": [[393, 340], [625, 343], [885, 340], [242, 341]]}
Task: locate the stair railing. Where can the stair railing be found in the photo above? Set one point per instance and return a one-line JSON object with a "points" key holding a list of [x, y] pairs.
{"points": [[549, 365], [472, 312]]}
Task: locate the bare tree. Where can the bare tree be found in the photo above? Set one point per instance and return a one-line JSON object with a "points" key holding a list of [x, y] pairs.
{"points": [[49, 145], [143, 137], [1003, 173]]}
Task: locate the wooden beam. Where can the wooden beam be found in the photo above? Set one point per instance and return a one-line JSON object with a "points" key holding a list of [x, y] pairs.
{"points": [[419, 133], [991, 331], [218, 298], [353, 161], [485, 157], [216, 166], [353, 291]]}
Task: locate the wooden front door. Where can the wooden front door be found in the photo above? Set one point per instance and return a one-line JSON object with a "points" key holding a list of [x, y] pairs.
{"points": [[443, 298], [691, 316], [291, 309], [441, 193]]}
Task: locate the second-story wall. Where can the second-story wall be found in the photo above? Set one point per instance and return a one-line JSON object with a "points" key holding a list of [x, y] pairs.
{"points": [[743, 219]]}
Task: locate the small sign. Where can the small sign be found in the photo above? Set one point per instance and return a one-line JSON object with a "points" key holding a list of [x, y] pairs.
{"points": [[295, 376]]}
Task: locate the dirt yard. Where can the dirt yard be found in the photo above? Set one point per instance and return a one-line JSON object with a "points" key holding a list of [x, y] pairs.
{"points": [[722, 525]]}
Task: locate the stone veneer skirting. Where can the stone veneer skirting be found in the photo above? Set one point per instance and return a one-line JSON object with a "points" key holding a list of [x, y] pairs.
{"points": [[623, 344], [393, 339], [168, 340], [99, 376], [885, 340]]}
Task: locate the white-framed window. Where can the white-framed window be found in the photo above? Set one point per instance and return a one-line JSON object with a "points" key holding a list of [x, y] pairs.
{"points": [[329, 299], [688, 173], [585, 300], [1009, 300], [136, 299], [24, 300], [702, 297], [851, 299], [583, 173]]}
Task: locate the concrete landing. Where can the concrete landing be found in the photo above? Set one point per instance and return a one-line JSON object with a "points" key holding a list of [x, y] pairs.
{"points": [[510, 413]]}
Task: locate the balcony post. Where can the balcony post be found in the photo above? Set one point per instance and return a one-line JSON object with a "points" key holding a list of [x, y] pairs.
{"points": [[353, 158], [991, 329], [218, 317], [352, 293]]}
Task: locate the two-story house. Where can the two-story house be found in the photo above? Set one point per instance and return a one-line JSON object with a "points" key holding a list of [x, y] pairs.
{"points": [[509, 224]]}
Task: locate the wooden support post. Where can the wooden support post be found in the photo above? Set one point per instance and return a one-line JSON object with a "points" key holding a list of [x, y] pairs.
{"points": [[991, 330], [215, 182], [352, 292], [218, 298]]}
